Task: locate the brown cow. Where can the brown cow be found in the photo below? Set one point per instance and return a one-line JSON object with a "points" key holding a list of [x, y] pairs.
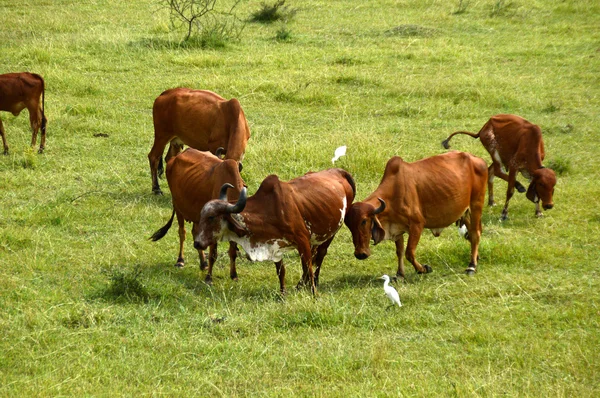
{"points": [[19, 91], [195, 178], [200, 119], [430, 193], [304, 213], [516, 144]]}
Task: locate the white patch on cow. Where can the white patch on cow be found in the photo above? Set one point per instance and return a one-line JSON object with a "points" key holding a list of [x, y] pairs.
{"points": [[316, 240], [462, 231], [343, 209], [272, 250], [436, 231], [496, 157]]}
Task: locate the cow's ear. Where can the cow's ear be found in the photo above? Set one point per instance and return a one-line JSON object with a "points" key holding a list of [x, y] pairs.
{"points": [[377, 231], [235, 226], [531, 192]]}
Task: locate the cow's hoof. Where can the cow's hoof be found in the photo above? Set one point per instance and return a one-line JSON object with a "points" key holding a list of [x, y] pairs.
{"points": [[504, 217], [491, 203], [6, 151], [208, 280], [300, 284], [427, 269], [539, 214], [470, 271], [180, 264], [41, 150], [157, 192], [520, 187]]}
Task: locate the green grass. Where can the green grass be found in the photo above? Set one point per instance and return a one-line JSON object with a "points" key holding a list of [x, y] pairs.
{"points": [[90, 307]]}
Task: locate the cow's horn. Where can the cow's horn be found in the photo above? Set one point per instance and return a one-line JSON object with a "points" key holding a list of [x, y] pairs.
{"points": [[381, 207], [219, 152], [241, 203], [223, 191]]}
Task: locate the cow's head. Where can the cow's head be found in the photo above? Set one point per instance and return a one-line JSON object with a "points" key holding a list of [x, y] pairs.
{"points": [[542, 187], [216, 217], [362, 221]]}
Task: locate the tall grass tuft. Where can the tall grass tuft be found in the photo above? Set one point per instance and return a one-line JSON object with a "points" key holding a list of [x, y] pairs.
{"points": [[269, 13]]}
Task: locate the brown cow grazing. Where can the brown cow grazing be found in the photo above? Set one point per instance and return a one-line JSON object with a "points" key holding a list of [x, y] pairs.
{"points": [[19, 91], [304, 213], [431, 193], [195, 178], [200, 119], [515, 144]]}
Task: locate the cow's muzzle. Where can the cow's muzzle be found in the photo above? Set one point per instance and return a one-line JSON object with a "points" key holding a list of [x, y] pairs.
{"points": [[361, 256], [548, 206]]}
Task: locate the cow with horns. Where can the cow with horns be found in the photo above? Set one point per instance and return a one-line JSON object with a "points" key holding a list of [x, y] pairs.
{"points": [[195, 178], [19, 91], [515, 144], [431, 193], [304, 213], [199, 119]]}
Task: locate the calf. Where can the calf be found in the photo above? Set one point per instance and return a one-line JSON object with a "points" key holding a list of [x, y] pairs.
{"points": [[515, 144], [304, 213], [200, 119], [19, 91], [195, 178], [431, 193]]}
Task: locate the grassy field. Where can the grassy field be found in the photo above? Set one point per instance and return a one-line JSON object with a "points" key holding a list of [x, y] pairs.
{"points": [[90, 307]]}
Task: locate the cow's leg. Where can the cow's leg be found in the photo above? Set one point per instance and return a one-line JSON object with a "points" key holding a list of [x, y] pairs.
{"points": [[212, 257], [306, 257], [203, 263], [304, 280], [232, 256], [3, 134], [318, 258], [35, 119], [474, 228], [538, 210], [175, 147], [491, 201], [400, 254], [414, 235], [512, 177], [181, 223], [154, 159], [280, 268]]}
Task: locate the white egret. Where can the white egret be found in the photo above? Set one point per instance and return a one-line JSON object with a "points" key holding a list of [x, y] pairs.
{"points": [[339, 152], [390, 291]]}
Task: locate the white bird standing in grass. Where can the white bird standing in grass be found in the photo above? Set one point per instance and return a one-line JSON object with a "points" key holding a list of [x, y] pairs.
{"points": [[339, 152], [390, 291]]}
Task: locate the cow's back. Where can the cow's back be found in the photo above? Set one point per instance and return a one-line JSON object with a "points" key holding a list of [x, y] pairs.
{"points": [[18, 88], [194, 116], [196, 177], [436, 190], [510, 137], [323, 198]]}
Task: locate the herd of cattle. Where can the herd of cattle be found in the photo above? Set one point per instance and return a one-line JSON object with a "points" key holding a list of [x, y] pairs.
{"points": [[306, 212]]}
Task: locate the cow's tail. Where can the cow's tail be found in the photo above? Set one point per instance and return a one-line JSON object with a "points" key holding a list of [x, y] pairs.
{"points": [[350, 180], [43, 106], [160, 169], [163, 231], [446, 142]]}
